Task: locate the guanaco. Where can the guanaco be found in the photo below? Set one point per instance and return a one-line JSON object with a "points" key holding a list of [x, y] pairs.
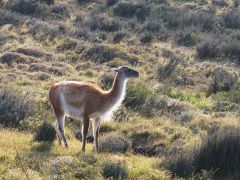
{"points": [[85, 100]]}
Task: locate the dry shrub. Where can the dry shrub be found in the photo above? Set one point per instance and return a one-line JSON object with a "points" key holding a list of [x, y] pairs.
{"points": [[231, 19], [129, 9], [45, 132], [32, 52], [208, 48], [143, 143], [222, 80], [48, 2], [219, 152], [114, 143], [100, 54], [34, 67], [26, 7], [114, 170], [106, 80], [10, 58], [15, 108], [67, 44]]}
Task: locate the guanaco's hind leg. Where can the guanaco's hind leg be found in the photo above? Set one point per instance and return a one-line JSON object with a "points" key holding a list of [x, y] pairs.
{"points": [[85, 126], [59, 137], [60, 130], [96, 126]]}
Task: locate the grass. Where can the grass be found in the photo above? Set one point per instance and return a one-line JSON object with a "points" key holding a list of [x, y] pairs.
{"points": [[32, 157], [175, 45], [198, 101]]}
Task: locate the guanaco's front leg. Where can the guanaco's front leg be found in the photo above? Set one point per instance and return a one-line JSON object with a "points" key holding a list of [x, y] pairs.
{"points": [[85, 126]]}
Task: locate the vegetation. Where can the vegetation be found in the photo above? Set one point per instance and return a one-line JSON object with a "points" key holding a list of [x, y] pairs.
{"points": [[179, 119]]}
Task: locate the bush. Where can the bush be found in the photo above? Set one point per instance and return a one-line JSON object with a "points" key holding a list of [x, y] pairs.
{"points": [[187, 38], [109, 25], [14, 108], [231, 48], [219, 153], [67, 44], [220, 150], [7, 17], [46, 132], [231, 19], [208, 49], [114, 143], [114, 170], [152, 26], [180, 164], [136, 95], [118, 37], [106, 80], [27, 7], [143, 142], [111, 2], [82, 1], [48, 2], [165, 70], [128, 10], [222, 80], [61, 9], [101, 54], [146, 38]]}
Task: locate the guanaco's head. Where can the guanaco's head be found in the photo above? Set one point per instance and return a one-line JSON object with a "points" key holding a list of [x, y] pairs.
{"points": [[126, 71]]}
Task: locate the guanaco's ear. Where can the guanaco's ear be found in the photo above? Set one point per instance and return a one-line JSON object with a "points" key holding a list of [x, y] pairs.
{"points": [[115, 69]]}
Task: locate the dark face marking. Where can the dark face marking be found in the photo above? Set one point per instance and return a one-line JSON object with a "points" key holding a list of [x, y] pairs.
{"points": [[128, 72]]}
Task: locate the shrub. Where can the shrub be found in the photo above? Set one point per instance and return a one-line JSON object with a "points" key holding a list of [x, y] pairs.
{"points": [[231, 19], [222, 80], [101, 54], [128, 10], [14, 107], [136, 95], [111, 2], [231, 48], [106, 80], [27, 7], [221, 3], [165, 70], [146, 38], [109, 25], [218, 153], [48, 2], [82, 1], [180, 164], [61, 9], [152, 26], [10, 58], [208, 49], [67, 44], [220, 150], [114, 170], [7, 17], [118, 36], [113, 142], [46, 132], [187, 38], [46, 68], [143, 142]]}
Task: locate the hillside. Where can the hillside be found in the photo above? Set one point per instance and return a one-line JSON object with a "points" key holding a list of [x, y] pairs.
{"points": [[180, 118]]}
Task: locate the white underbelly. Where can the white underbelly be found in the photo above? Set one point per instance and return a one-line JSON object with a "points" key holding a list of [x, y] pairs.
{"points": [[75, 113], [71, 111]]}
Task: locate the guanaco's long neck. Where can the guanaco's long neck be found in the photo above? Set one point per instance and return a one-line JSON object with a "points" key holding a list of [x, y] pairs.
{"points": [[117, 92]]}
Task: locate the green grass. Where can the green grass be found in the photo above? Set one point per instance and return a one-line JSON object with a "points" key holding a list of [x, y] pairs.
{"points": [[20, 156], [198, 101], [154, 125]]}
